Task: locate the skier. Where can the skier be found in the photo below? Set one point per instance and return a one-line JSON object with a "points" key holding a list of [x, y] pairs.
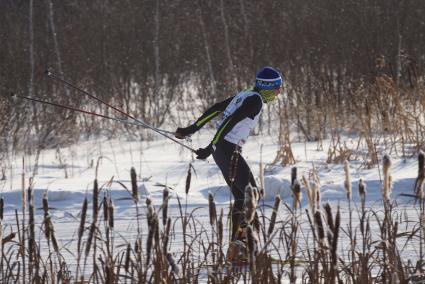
{"points": [[240, 114]]}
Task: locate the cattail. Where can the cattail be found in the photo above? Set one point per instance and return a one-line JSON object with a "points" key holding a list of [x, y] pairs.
{"points": [[48, 225], [212, 209], [173, 264], [293, 175], [137, 246], [31, 223], [347, 182], [150, 211], [1, 207], [134, 187], [329, 217], [362, 191], [419, 183], [111, 210], [316, 192], [234, 164], [95, 201], [274, 214], [90, 238], [24, 197], [252, 242], [188, 178], [8, 238], [151, 235], [92, 231], [296, 193], [387, 178], [53, 237], [1, 236], [250, 203], [320, 227], [127, 258], [330, 222], [335, 237], [165, 197], [220, 228], [166, 235], [82, 223], [262, 186], [47, 228], [105, 208], [311, 194]]}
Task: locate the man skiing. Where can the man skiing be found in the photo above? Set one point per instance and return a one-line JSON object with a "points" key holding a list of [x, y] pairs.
{"points": [[240, 114]]}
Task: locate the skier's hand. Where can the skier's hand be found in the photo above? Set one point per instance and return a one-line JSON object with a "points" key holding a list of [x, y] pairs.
{"points": [[203, 153], [182, 132]]}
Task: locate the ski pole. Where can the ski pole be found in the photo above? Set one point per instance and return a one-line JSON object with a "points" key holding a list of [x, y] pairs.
{"points": [[74, 109], [51, 75], [125, 121], [88, 112]]}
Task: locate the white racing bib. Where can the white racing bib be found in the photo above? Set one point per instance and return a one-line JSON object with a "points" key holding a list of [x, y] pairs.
{"points": [[240, 132]]}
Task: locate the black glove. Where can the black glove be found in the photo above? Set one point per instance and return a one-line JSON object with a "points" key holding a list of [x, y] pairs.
{"points": [[203, 153], [181, 133]]}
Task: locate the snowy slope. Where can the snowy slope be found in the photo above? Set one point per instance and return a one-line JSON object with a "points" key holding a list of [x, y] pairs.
{"points": [[163, 162]]}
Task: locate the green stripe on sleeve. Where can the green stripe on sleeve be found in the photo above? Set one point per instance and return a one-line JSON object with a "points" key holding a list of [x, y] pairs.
{"points": [[207, 118], [217, 136]]}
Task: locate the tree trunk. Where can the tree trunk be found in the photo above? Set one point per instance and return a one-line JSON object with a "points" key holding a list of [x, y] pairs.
{"points": [[207, 52], [232, 81]]}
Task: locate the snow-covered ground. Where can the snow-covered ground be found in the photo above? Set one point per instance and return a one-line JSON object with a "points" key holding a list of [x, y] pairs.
{"points": [[162, 162]]}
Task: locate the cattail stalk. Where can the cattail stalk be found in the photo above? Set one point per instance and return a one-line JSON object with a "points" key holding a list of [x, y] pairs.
{"points": [[362, 192], [173, 264], [165, 198], [95, 201], [220, 228], [317, 195], [150, 240], [166, 236], [293, 175], [297, 194], [1, 245], [319, 225], [250, 203], [111, 210], [127, 258], [1, 207], [91, 239], [24, 205], [212, 209], [105, 209], [31, 223], [188, 179], [262, 185], [347, 181], [311, 194], [274, 215], [134, 187], [419, 183], [81, 230], [50, 232], [150, 211], [387, 178], [252, 249]]}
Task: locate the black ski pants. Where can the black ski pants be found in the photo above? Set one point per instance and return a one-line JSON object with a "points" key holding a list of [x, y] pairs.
{"points": [[242, 177]]}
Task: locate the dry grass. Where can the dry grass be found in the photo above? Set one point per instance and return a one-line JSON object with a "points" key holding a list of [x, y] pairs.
{"points": [[311, 247]]}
